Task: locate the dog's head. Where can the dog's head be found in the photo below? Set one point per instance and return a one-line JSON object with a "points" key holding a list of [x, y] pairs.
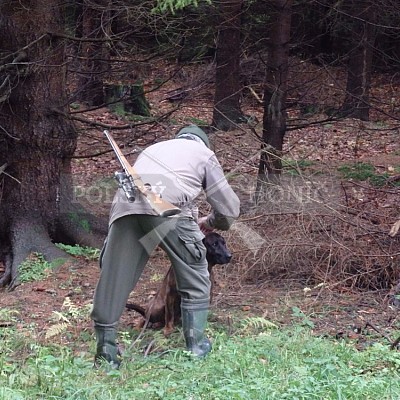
{"points": [[217, 251]]}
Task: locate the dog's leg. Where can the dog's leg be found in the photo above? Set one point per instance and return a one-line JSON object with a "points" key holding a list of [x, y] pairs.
{"points": [[164, 308], [169, 316], [210, 271], [170, 299]]}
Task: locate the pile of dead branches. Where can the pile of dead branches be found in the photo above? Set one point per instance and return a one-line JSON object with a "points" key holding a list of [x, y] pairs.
{"points": [[347, 239]]}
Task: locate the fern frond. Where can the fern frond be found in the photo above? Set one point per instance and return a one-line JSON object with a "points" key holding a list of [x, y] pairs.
{"points": [[257, 323], [72, 308], [60, 316], [56, 329]]}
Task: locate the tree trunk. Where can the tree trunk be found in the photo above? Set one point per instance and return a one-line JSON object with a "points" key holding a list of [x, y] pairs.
{"points": [[36, 140], [356, 102], [227, 81], [94, 55], [274, 119]]}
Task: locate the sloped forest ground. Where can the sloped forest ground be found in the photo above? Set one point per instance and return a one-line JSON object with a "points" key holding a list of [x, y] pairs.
{"points": [[315, 251]]}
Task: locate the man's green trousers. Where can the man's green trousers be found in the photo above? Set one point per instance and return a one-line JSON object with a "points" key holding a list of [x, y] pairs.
{"points": [[131, 240]]}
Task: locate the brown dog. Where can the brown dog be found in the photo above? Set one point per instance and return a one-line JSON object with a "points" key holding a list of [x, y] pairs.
{"points": [[164, 309]]}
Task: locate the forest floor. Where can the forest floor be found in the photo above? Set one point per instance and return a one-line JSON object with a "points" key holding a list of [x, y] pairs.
{"points": [[246, 287]]}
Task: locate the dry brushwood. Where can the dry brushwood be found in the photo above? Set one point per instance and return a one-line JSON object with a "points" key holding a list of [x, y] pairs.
{"points": [[342, 244]]}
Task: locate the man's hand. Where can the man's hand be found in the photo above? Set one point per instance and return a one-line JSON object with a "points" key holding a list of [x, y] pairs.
{"points": [[204, 227]]}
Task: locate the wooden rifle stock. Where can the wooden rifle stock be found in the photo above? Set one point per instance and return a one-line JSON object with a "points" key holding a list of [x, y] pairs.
{"points": [[160, 206]]}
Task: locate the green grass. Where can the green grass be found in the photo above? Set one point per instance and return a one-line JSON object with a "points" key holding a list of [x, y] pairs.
{"points": [[358, 171], [365, 172], [257, 361], [89, 253]]}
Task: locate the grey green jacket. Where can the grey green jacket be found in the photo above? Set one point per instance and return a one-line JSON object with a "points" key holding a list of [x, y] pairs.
{"points": [[179, 170]]}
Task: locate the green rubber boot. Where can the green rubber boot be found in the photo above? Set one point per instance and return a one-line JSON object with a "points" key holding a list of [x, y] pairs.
{"points": [[107, 349], [194, 321]]}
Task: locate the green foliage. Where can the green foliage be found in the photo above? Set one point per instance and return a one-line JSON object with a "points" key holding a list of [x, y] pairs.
{"points": [[304, 320], [89, 253], [34, 268], [379, 180], [359, 171], [267, 365], [363, 172]]}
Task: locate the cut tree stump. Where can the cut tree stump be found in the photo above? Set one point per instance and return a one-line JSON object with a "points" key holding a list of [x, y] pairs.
{"points": [[128, 98]]}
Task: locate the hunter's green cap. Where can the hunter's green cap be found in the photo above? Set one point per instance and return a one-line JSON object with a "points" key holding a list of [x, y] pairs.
{"points": [[196, 131]]}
